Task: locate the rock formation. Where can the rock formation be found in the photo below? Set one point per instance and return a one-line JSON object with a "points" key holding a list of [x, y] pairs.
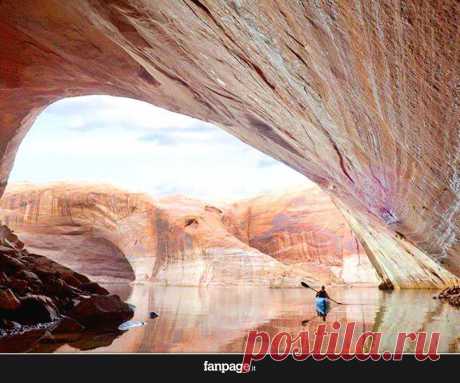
{"points": [[302, 227], [113, 235], [360, 96], [104, 235], [38, 295], [195, 248], [452, 295]]}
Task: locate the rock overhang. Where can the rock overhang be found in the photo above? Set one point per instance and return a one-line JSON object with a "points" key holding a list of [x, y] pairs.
{"points": [[360, 97]]}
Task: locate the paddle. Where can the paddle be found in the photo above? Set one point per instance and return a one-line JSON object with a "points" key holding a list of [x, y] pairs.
{"points": [[309, 287]]}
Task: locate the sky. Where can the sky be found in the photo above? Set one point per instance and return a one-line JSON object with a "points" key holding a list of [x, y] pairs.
{"points": [[142, 148]]}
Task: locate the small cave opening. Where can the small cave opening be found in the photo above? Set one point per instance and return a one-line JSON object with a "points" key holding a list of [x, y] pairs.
{"points": [[191, 222]]}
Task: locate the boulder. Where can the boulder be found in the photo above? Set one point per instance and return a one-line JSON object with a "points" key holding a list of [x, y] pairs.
{"points": [[67, 330], [37, 309], [101, 311], [35, 292], [75, 279], [454, 300], [93, 288], [451, 295], [386, 286], [34, 283], [28, 276], [9, 264], [72, 281], [22, 341], [19, 286], [8, 301], [9, 325], [64, 304], [56, 286], [3, 279], [68, 325], [448, 292]]}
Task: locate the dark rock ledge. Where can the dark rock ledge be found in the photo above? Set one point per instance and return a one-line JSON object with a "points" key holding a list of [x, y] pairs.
{"points": [[451, 295], [43, 300]]}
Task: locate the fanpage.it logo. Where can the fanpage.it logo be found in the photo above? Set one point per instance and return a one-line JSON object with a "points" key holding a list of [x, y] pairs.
{"points": [[323, 345]]}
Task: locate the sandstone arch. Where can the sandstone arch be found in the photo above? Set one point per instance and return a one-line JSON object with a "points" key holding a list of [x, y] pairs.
{"points": [[79, 229], [361, 97]]}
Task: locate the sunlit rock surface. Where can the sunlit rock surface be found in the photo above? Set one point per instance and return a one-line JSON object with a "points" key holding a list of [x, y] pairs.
{"points": [[113, 235], [195, 248], [92, 230], [302, 227], [398, 262], [362, 97]]}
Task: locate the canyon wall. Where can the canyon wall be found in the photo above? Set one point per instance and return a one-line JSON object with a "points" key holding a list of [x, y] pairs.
{"points": [[112, 235], [95, 230], [302, 227], [360, 96], [194, 245]]}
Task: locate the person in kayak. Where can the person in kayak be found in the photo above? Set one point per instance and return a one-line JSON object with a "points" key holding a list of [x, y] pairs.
{"points": [[322, 293], [322, 303]]}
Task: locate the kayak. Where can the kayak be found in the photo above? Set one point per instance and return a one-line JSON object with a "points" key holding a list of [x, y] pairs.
{"points": [[322, 305]]}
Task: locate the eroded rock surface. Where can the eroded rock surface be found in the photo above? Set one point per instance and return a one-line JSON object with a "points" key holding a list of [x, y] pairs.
{"points": [[102, 234], [273, 240], [195, 248], [302, 227], [360, 96]]}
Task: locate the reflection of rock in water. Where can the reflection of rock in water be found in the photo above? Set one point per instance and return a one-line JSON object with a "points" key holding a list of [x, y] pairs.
{"points": [[43, 341], [88, 341], [218, 319], [413, 311], [21, 343]]}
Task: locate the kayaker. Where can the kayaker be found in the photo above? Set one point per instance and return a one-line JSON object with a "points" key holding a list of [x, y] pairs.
{"points": [[322, 293], [322, 303]]}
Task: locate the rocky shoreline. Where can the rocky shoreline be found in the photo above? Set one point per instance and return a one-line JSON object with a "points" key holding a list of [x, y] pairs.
{"points": [[451, 295], [40, 298]]}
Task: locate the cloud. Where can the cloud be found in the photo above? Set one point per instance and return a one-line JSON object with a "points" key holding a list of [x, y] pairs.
{"points": [[159, 139], [139, 147], [94, 112], [266, 163]]}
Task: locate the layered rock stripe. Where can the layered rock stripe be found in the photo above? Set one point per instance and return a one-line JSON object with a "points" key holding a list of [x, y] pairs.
{"points": [[112, 235], [361, 97]]}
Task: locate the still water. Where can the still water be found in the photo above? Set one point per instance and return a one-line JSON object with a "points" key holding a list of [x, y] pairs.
{"points": [[218, 319]]}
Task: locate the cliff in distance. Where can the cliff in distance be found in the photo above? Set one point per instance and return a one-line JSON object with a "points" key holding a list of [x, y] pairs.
{"points": [[113, 235], [301, 226]]}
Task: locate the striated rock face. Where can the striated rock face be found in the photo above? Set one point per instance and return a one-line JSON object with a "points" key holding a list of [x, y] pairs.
{"points": [[194, 247], [110, 234], [174, 241], [106, 235], [302, 227], [362, 97]]}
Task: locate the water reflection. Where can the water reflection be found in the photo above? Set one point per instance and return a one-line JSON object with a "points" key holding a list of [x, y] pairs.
{"points": [[218, 319]]}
